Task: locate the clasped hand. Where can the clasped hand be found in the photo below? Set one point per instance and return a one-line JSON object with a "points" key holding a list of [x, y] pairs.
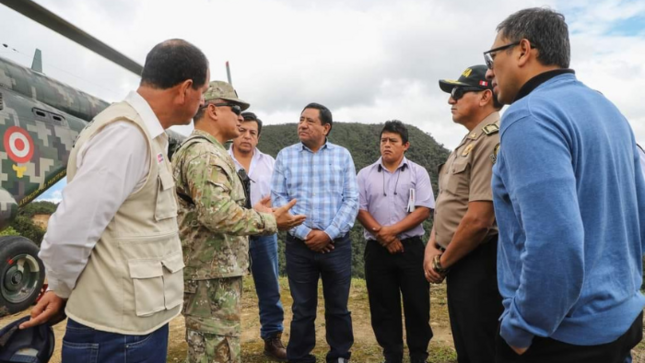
{"points": [[432, 276], [386, 237], [319, 241]]}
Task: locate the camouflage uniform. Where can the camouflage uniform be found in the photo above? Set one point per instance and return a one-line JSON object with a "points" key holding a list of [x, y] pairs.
{"points": [[213, 225]]}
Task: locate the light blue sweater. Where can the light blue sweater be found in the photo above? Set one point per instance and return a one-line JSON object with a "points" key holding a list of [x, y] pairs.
{"points": [[569, 200]]}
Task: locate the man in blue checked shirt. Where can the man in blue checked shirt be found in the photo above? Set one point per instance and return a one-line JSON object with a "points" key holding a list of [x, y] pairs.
{"points": [[322, 177]]}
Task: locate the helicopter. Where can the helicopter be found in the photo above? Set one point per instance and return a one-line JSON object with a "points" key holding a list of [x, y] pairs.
{"points": [[40, 119]]}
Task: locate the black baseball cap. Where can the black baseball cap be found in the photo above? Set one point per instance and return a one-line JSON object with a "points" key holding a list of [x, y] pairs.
{"points": [[472, 77], [31, 345]]}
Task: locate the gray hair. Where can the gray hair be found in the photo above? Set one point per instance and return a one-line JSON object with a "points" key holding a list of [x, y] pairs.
{"points": [[545, 29]]}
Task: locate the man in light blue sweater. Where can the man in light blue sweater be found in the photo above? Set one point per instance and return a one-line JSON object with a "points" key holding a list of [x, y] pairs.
{"points": [[569, 198]]}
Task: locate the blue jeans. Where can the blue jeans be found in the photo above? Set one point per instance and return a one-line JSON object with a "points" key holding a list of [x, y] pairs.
{"points": [[264, 267], [304, 268], [87, 345]]}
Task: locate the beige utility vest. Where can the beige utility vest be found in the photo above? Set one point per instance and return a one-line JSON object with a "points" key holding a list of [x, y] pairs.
{"points": [[133, 281]]}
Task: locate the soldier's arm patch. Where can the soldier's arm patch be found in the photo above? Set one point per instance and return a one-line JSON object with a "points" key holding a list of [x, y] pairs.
{"points": [[493, 156], [490, 129]]}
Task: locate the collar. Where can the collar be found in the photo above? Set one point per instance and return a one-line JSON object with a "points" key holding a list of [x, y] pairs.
{"points": [[144, 110], [402, 165], [534, 82], [478, 130], [257, 154], [208, 136], [326, 145]]}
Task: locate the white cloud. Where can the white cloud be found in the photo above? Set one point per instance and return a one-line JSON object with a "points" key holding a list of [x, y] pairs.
{"points": [[55, 196], [369, 61]]}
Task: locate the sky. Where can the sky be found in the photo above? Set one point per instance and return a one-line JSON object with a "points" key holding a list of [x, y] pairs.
{"points": [[367, 60]]}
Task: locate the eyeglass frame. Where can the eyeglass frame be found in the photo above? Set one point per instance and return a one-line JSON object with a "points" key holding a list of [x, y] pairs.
{"points": [[465, 89], [489, 59], [236, 109]]}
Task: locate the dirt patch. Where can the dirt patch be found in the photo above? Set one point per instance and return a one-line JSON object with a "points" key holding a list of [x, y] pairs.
{"points": [[41, 220]]}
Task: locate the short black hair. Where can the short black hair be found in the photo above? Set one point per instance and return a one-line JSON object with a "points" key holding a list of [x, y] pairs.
{"points": [[201, 111], [325, 114], [544, 28], [172, 62], [396, 127], [250, 116]]}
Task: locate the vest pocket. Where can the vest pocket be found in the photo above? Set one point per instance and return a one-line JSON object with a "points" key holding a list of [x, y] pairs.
{"points": [[166, 206], [173, 280], [147, 276]]}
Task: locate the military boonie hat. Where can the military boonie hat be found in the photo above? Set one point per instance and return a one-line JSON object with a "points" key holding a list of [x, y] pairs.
{"points": [[224, 91], [474, 77], [31, 345]]}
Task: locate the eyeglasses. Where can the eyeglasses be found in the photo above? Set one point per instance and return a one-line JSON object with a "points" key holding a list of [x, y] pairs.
{"points": [[458, 92], [489, 55], [235, 108]]}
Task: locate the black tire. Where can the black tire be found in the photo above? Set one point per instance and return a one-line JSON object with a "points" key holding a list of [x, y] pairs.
{"points": [[22, 274]]}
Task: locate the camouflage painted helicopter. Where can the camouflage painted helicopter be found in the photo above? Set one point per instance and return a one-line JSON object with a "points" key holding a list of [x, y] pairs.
{"points": [[40, 118]]}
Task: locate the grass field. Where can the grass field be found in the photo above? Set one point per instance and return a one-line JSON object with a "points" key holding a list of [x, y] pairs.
{"points": [[365, 349]]}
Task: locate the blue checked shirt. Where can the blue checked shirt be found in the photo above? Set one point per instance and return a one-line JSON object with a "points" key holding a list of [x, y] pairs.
{"points": [[324, 183]]}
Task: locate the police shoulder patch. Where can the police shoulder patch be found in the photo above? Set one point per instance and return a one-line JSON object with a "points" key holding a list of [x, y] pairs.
{"points": [[490, 129], [493, 156]]}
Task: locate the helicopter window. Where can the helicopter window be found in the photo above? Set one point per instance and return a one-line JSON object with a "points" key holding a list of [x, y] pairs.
{"points": [[40, 114]]}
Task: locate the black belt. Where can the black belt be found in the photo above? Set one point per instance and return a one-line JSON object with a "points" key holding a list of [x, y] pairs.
{"points": [[294, 238], [486, 240], [405, 240]]}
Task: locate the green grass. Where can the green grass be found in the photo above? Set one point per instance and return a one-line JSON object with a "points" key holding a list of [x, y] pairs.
{"points": [[365, 348]]}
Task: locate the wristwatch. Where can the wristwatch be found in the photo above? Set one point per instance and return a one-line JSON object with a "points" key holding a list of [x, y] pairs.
{"points": [[436, 265]]}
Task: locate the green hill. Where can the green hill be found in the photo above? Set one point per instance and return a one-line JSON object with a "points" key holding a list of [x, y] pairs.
{"points": [[362, 141]]}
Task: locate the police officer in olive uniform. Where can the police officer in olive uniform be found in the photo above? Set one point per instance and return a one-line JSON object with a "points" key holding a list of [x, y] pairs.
{"points": [[463, 242], [214, 226]]}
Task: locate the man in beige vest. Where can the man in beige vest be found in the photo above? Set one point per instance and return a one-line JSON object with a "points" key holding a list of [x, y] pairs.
{"points": [[112, 252]]}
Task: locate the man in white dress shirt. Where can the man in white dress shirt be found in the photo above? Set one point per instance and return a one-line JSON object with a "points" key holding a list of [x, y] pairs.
{"points": [[112, 252], [263, 249]]}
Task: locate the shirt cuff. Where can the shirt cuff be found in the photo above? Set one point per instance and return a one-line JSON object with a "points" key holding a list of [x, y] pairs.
{"points": [[484, 197], [270, 224], [332, 232], [301, 232], [514, 335], [59, 289]]}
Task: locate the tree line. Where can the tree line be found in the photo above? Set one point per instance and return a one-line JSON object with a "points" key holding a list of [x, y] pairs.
{"points": [[362, 141]]}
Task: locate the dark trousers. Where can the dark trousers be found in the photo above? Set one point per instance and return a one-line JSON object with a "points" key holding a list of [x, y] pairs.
{"points": [[304, 268], [474, 304], [388, 277], [553, 351]]}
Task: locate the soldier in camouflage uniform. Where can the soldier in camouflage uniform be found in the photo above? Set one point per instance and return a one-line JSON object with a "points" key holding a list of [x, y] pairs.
{"points": [[214, 225]]}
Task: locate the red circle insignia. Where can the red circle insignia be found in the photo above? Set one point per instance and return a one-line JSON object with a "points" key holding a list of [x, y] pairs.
{"points": [[18, 144]]}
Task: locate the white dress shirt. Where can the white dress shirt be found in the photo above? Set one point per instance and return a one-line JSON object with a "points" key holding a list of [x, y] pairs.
{"points": [[259, 172], [113, 164]]}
